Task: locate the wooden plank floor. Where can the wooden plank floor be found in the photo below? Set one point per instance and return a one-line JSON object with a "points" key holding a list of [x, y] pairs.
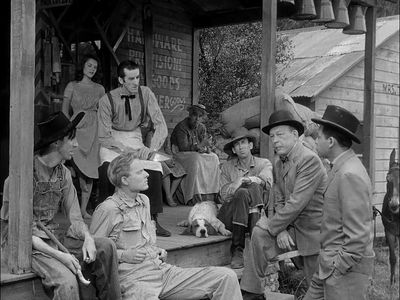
{"points": [[169, 218]]}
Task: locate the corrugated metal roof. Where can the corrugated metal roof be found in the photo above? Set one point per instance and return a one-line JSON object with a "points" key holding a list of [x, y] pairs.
{"points": [[322, 55]]}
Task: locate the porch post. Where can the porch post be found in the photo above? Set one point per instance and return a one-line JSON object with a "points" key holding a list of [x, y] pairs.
{"points": [[267, 72], [369, 91], [22, 93]]}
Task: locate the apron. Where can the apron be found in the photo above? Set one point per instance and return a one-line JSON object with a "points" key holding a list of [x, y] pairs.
{"points": [[131, 139]]}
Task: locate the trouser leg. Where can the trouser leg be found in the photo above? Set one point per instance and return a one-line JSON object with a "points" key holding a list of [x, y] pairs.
{"points": [[106, 188], [237, 247], [349, 286], [217, 283], [55, 276], [244, 199], [264, 249], [104, 270], [253, 219], [316, 289], [86, 185], [310, 266], [154, 192]]}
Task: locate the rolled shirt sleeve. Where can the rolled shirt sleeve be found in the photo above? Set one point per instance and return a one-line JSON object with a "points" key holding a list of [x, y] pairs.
{"points": [[156, 116], [78, 228]]}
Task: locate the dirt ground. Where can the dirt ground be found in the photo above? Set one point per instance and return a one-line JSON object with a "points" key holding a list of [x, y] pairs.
{"points": [[380, 288], [291, 281]]}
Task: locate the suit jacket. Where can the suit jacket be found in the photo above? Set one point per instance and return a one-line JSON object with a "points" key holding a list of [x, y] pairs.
{"points": [[298, 191], [346, 230]]}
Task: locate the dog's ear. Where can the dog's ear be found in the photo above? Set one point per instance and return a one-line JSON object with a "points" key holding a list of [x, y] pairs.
{"points": [[188, 231], [210, 229]]}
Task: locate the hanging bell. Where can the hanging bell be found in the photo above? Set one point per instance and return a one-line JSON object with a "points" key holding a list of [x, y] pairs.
{"points": [[305, 10], [286, 8], [324, 11], [341, 15], [357, 21]]}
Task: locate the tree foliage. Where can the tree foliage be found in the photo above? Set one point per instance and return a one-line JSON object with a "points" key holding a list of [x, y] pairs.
{"points": [[230, 61]]}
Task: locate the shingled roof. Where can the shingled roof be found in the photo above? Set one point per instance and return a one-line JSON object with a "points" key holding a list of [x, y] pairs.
{"points": [[322, 55]]}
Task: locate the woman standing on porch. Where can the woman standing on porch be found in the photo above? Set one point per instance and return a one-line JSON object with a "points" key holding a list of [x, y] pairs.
{"points": [[83, 95]]}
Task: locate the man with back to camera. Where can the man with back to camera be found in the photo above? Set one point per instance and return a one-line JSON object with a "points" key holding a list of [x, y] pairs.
{"points": [[122, 114], [346, 258], [299, 183]]}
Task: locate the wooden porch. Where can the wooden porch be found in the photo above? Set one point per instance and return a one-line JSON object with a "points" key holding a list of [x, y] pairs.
{"points": [[183, 251]]}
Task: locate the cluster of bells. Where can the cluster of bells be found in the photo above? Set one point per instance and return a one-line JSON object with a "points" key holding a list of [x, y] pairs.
{"points": [[336, 14]]}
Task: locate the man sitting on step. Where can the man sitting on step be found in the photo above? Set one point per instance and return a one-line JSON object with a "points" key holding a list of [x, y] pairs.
{"points": [[244, 178], [144, 274]]}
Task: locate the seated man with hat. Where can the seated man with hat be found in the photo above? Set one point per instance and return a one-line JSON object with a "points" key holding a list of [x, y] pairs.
{"points": [[243, 181], [346, 258], [52, 188], [191, 147], [299, 184]]}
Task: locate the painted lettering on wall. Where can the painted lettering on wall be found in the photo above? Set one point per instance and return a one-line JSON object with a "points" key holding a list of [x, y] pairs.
{"points": [[171, 103], [164, 62], [165, 82], [136, 56], [167, 60], [390, 88], [160, 41]]}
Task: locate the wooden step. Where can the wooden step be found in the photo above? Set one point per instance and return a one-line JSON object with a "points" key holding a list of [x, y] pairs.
{"points": [[183, 251]]}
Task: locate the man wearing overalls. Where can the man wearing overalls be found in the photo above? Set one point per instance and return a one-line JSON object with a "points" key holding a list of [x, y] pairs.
{"points": [[52, 188]]}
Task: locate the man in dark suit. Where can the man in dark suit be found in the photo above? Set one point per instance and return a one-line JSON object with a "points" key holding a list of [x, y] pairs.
{"points": [[300, 180], [346, 258]]}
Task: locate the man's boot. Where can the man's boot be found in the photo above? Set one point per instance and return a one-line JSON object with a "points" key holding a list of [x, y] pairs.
{"points": [[253, 219], [238, 244], [159, 230]]}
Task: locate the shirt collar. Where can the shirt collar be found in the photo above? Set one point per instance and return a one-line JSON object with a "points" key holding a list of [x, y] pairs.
{"points": [[292, 152], [124, 91], [239, 165], [339, 156], [123, 198]]}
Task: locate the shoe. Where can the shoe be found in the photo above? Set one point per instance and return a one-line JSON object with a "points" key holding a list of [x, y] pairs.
{"points": [[161, 231], [237, 259]]}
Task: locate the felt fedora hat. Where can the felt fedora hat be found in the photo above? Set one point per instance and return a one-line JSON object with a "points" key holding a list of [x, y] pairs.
{"points": [[237, 135], [340, 119], [56, 127], [283, 117]]}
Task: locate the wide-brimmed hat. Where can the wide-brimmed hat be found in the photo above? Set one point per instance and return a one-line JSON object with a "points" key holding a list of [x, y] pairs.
{"points": [[283, 117], [237, 135], [340, 119], [56, 127], [199, 107]]}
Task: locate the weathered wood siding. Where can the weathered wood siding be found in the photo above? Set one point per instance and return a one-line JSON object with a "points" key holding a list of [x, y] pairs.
{"points": [[171, 79], [348, 93]]}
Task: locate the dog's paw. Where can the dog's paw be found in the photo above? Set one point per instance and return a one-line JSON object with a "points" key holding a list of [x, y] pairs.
{"points": [[225, 232], [184, 223]]}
